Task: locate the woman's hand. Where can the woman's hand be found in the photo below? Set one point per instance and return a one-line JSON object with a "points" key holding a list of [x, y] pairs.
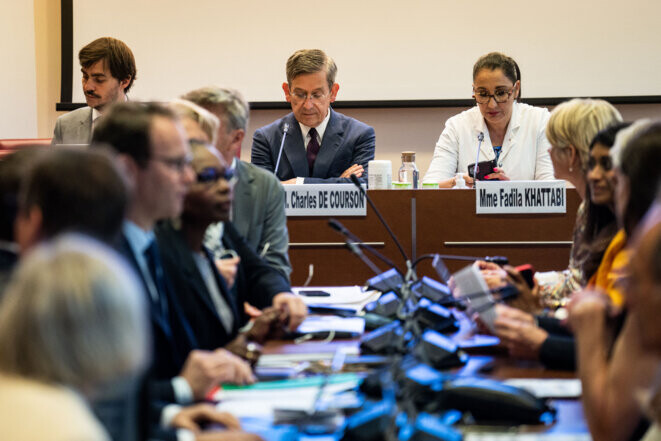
{"points": [[497, 175]]}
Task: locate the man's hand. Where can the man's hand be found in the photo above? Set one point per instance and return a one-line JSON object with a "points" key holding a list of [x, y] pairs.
{"points": [[205, 369], [355, 169], [289, 181], [227, 435], [192, 416], [228, 269], [294, 306]]}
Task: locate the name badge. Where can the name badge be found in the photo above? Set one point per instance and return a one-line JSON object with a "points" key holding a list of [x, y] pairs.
{"points": [[324, 200], [505, 197]]}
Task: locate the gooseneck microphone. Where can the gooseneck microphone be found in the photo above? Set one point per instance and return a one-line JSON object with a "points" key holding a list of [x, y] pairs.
{"points": [[356, 182], [282, 146], [498, 260], [476, 168], [354, 242]]}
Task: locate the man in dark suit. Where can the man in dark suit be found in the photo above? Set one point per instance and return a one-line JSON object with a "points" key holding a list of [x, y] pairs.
{"points": [[12, 170], [320, 145], [109, 70], [151, 146], [258, 207]]}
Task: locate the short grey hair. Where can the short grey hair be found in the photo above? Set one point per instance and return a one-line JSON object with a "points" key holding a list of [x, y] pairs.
{"points": [[207, 120], [73, 314], [229, 104]]}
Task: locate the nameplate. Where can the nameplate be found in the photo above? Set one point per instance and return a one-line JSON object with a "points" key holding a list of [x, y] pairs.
{"points": [[511, 197], [324, 200]]}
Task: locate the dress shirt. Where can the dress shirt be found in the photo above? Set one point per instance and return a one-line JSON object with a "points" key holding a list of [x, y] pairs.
{"points": [[222, 308], [139, 240]]}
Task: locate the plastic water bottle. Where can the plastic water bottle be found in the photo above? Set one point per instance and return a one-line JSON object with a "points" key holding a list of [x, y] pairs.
{"points": [[460, 182], [408, 172]]}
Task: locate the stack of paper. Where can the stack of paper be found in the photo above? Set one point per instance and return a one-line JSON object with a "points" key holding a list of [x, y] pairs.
{"points": [[260, 399], [352, 297]]}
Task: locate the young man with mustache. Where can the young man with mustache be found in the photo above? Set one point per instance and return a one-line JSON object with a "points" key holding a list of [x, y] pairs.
{"points": [[108, 69]]}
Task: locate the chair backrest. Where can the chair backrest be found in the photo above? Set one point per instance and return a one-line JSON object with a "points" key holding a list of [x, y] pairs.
{"points": [[15, 144], [8, 146]]}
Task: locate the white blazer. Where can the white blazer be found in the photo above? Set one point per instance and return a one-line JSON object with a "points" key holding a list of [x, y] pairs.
{"points": [[524, 154]]}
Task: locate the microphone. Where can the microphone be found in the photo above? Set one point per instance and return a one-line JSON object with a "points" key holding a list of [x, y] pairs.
{"points": [[356, 182], [476, 168], [282, 146], [337, 226]]}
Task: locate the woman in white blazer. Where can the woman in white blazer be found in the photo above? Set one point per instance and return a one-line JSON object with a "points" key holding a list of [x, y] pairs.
{"points": [[510, 131]]}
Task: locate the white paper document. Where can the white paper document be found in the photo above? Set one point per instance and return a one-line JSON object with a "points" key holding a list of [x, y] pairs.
{"points": [[548, 387], [343, 296], [259, 400], [319, 324], [481, 436]]}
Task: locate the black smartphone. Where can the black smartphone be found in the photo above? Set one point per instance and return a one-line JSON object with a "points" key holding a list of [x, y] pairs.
{"points": [[313, 293], [528, 273], [483, 168]]}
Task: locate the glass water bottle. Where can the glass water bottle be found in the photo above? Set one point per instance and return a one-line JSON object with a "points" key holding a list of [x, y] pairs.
{"points": [[408, 172]]}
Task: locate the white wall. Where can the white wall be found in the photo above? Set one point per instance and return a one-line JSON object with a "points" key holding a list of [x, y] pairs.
{"points": [[385, 49], [18, 83]]}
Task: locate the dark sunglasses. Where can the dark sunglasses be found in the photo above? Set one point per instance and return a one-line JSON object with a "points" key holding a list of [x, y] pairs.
{"points": [[211, 174]]}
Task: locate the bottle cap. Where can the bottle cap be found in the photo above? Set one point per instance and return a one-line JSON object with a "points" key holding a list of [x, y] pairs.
{"points": [[408, 156]]}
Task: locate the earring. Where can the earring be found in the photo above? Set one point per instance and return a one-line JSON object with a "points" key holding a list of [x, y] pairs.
{"points": [[571, 169]]}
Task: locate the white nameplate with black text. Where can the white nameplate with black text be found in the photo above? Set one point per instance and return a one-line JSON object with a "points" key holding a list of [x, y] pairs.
{"points": [[324, 200], [505, 197]]}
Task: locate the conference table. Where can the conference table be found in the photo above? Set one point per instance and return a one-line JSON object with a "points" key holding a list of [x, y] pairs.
{"points": [[569, 421], [428, 221]]}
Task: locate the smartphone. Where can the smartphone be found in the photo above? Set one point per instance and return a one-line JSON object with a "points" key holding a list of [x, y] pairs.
{"points": [[483, 168], [313, 293], [528, 272]]}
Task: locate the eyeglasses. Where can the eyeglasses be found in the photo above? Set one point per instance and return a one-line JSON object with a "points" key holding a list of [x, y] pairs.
{"points": [[605, 162], [211, 175], [177, 164], [315, 97], [500, 95]]}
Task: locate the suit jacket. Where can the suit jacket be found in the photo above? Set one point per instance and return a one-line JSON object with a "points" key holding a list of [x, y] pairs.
{"points": [[169, 348], [256, 282], [8, 260], [74, 127], [346, 141], [258, 213]]}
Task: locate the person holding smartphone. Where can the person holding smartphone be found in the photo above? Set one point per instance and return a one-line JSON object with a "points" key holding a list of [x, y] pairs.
{"points": [[507, 132]]}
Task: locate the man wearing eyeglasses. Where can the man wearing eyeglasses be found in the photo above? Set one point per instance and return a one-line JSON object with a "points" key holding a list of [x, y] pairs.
{"points": [[313, 144], [152, 148]]}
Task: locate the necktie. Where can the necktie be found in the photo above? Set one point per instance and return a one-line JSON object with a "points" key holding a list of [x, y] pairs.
{"points": [[313, 148], [160, 303]]}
